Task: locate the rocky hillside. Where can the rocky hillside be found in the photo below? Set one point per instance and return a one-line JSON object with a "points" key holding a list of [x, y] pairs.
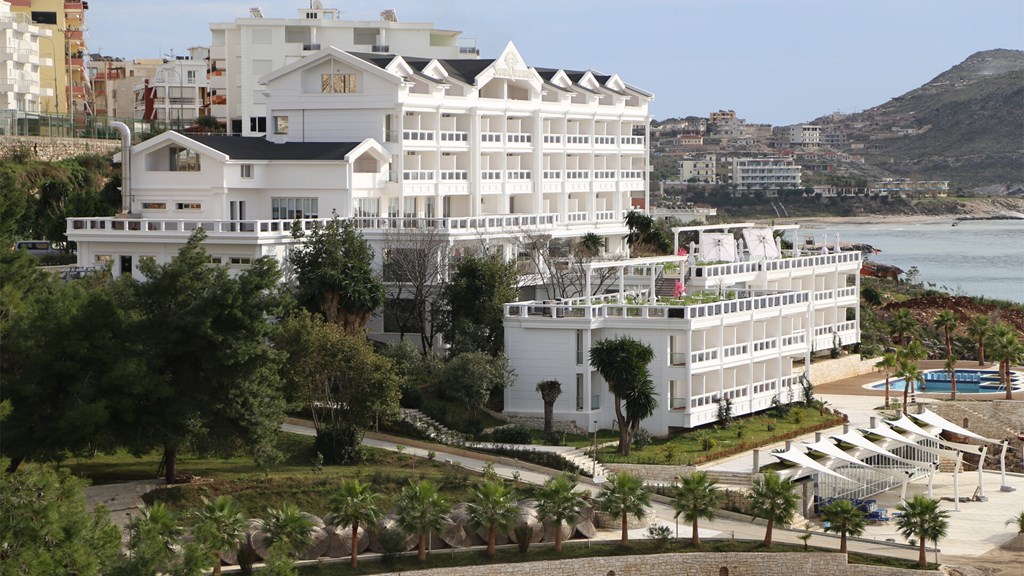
{"points": [[966, 126]]}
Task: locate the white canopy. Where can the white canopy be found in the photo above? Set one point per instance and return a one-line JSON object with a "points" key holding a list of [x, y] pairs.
{"points": [[929, 417], [761, 243], [890, 434], [794, 456], [830, 449], [909, 425], [717, 247], [855, 438]]}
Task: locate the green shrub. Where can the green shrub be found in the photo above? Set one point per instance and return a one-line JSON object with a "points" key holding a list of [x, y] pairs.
{"points": [[512, 434], [641, 439], [524, 534]]}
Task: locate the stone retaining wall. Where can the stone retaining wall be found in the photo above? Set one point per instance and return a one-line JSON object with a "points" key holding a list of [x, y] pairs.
{"points": [[692, 564], [832, 369], [537, 423], [46, 148], [990, 419]]}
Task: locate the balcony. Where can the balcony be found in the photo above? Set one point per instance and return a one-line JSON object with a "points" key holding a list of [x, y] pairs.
{"points": [[310, 47], [454, 137], [631, 140], [412, 136], [418, 176], [518, 138]]}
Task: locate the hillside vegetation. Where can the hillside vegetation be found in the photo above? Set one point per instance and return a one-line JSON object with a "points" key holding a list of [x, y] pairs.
{"points": [[969, 122]]}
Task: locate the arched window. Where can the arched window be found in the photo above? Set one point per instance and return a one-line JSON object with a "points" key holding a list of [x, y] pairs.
{"points": [[723, 571]]}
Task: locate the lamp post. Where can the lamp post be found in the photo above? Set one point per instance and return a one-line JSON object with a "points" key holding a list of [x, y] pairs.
{"points": [[593, 472]]}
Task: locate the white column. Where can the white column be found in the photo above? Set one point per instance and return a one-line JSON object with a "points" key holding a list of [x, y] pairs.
{"points": [[474, 163], [981, 472], [538, 161], [956, 480]]}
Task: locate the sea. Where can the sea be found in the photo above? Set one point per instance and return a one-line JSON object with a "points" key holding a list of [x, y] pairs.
{"points": [[973, 258]]}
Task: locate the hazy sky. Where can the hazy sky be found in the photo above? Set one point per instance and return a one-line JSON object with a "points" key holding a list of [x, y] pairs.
{"points": [[773, 61]]}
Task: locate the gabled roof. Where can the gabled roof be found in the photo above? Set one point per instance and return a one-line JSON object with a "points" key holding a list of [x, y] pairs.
{"points": [[259, 148], [356, 60]]}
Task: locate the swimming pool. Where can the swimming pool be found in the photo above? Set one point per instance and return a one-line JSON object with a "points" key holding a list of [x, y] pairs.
{"points": [[967, 382]]}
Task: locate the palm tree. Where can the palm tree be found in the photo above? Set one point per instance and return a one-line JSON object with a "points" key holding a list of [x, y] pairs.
{"points": [[1007, 349], [843, 518], [590, 244], [622, 362], [623, 496], [1017, 520], [697, 498], [288, 530], [492, 506], [559, 502], [946, 321], [421, 511], [950, 366], [978, 329], [354, 504], [887, 364], [152, 537], [772, 498], [903, 324], [907, 369], [220, 525], [549, 391], [922, 518]]}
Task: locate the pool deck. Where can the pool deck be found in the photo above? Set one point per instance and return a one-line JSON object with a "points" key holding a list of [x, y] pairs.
{"points": [[854, 386]]}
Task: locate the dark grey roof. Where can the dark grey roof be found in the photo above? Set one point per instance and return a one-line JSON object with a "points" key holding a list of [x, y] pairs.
{"points": [[256, 148]]}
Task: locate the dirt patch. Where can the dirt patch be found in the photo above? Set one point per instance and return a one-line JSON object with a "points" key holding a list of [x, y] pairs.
{"points": [[994, 563], [924, 309]]}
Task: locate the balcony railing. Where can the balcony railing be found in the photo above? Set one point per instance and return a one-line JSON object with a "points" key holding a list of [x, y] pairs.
{"points": [[604, 140], [418, 135], [518, 138], [631, 140], [380, 48], [418, 175], [447, 175], [577, 139], [453, 136], [491, 137], [518, 175], [311, 47]]}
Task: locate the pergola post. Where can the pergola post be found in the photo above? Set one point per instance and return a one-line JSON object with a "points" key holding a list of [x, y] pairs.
{"points": [[981, 472], [1002, 465], [956, 480]]}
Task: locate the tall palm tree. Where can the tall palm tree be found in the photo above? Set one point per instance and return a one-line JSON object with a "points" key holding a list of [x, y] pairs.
{"points": [[950, 366], [549, 391], [623, 496], [978, 329], [421, 511], [915, 351], [697, 498], [492, 506], [907, 369], [772, 498], [888, 365], [354, 504], [903, 324], [946, 321], [844, 518], [220, 525], [558, 501], [922, 518], [1006, 348], [622, 362], [288, 530]]}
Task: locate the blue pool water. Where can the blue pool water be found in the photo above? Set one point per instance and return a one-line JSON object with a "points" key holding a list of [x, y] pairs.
{"points": [[967, 382]]}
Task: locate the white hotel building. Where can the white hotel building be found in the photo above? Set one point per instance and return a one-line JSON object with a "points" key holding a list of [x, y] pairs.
{"points": [[753, 343], [485, 150]]}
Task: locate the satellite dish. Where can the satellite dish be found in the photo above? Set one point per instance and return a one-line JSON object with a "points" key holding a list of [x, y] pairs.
{"points": [[761, 243], [717, 247], [317, 5]]}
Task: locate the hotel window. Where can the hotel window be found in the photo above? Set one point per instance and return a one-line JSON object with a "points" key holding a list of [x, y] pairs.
{"points": [[579, 392], [184, 160], [280, 124], [239, 261], [367, 207], [188, 206], [338, 83], [579, 347], [246, 170], [294, 208], [154, 205]]}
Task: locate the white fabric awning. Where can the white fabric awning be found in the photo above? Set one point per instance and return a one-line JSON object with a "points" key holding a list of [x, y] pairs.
{"points": [[907, 424], [929, 417], [794, 456], [829, 449], [889, 434], [855, 438]]}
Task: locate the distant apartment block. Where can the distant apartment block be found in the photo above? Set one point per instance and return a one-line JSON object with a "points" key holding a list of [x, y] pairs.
{"points": [[113, 82], [721, 116], [64, 50], [177, 92], [21, 88], [690, 140], [771, 173], [804, 136], [700, 168], [908, 187], [247, 49]]}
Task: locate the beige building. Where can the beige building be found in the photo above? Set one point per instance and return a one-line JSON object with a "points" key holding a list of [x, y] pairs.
{"points": [[771, 173], [65, 48], [21, 89], [700, 167]]}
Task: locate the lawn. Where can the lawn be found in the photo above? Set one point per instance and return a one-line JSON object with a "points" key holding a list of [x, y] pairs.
{"points": [[706, 444], [295, 480], [573, 549]]}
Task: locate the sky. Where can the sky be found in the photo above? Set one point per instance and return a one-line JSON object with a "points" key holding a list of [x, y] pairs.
{"points": [[772, 61]]}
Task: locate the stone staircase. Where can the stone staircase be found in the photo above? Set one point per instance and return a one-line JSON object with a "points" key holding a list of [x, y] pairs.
{"points": [[665, 288], [731, 478], [437, 432], [432, 428]]}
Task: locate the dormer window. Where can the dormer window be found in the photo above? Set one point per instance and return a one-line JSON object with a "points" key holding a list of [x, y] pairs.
{"points": [[338, 83], [183, 159]]}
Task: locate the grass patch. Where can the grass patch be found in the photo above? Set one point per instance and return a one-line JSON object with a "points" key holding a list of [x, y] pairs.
{"points": [[745, 433], [577, 440], [572, 550]]}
